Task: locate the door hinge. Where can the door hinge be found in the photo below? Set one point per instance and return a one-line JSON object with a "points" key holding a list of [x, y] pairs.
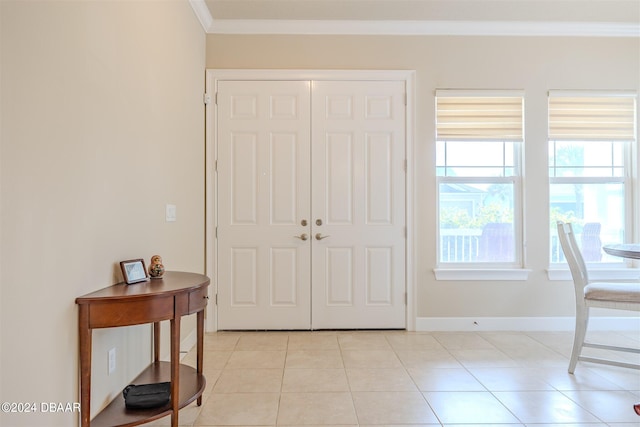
{"points": [[406, 298], [405, 165], [216, 232], [405, 99], [216, 299], [206, 98], [405, 231]]}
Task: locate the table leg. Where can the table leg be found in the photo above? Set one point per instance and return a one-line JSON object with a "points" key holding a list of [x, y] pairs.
{"points": [[200, 346], [156, 342], [175, 370], [84, 333]]}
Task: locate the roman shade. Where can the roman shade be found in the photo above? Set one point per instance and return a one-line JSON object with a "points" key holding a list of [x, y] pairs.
{"points": [[479, 115], [592, 116]]}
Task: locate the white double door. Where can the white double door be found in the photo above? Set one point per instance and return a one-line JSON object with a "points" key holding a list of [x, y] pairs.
{"points": [[311, 204]]}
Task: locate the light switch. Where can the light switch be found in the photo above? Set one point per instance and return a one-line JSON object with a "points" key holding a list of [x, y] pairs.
{"points": [[170, 213]]}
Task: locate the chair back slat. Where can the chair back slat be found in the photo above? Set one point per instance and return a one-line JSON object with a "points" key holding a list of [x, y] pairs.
{"points": [[573, 256]]}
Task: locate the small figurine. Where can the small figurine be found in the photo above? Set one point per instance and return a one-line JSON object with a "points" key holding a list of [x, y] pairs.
{"points": [[156, 269]]}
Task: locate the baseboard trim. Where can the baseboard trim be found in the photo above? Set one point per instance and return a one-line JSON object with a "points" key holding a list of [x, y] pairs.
{"points": [[597, 323]]}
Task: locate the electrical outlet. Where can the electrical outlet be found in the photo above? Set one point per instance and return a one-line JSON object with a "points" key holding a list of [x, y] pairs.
{"points": [[112, 360]]}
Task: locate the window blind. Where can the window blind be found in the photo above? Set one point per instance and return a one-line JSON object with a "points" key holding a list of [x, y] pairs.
{"points": [[592, 116], [479, 115]]}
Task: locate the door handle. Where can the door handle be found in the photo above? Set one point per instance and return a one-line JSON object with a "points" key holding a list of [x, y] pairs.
{"points": [[303, 236], [319, 236]]}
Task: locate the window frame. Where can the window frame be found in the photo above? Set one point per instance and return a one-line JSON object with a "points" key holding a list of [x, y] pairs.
{"points": [[625, 269], [478, 271]]}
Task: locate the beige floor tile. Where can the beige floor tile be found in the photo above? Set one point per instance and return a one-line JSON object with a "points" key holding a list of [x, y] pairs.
{"points": [[256, 359], [483, 358], [215, 359], [582, 379], [510, 340], [427, 359], [401, 425], [314, 359], [263, 341], [238, 409], [392, 408], [314, 380], [249, 381], [394, 379], [432, 379], [578, 425], [313, 341], [469, 407], [535, 356], [298, 409], [371, 378], [221, 341], [413, 341], [370, 359], [462, 341], [544, 407], [186, 417], [608, 406], [363, 341], [510, 379]]}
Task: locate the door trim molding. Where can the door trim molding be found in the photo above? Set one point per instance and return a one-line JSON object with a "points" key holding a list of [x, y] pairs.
{"points": [[213, 76]]}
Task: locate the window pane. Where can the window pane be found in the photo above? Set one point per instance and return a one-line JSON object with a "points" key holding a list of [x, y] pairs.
{"points": [[475, 158], [597, 214], [584, 159], [476, 222]]}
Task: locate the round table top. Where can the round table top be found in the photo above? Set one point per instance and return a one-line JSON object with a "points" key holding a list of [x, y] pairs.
{"points": [[623, 250]]}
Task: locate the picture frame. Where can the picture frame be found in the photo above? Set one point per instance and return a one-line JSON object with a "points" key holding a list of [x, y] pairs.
{"points": [[134, 271]]}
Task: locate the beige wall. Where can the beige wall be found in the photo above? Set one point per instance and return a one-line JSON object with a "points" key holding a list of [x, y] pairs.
{"points": [[534, 64], [102, 125]]}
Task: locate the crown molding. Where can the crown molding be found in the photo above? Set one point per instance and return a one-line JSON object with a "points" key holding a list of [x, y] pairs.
{"points": [[424, 28], [411, 28], [202, 13]]}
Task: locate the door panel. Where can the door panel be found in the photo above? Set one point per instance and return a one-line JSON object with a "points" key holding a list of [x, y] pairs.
{"points": [[333, 155], [263, 195], [358, 185]]}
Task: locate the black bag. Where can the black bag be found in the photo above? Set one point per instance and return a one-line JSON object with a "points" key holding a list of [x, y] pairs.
{"points": [[145, 396]]}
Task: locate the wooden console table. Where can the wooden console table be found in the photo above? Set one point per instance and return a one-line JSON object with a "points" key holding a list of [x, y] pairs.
{"points": [[175, 295]]}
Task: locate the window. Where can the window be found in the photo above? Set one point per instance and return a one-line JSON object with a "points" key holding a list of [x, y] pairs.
{"points": [[478, 158], [590, 141]]}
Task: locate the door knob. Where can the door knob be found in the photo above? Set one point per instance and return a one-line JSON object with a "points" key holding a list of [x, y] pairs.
{"points": [[319, 236], [303, 236]]}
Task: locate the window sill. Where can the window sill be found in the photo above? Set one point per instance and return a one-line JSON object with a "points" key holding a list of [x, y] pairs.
{"points": [[597, 274], [476, 274]]}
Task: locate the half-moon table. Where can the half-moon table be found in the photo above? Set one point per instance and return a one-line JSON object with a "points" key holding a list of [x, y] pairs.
{"points": [[175, 295]]}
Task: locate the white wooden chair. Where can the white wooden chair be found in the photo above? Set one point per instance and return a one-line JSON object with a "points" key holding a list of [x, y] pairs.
{"points": [[611, 295]]}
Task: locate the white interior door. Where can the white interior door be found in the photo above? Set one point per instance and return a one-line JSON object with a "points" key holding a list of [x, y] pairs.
{"points": [[358, 205], [323, 160], [263, 198]]}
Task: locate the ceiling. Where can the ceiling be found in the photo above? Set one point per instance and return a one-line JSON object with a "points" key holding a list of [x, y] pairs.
{"points": [[613, 18]]}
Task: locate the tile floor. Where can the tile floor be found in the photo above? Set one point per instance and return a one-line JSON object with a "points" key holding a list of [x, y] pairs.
{"points": [[398, 378]]}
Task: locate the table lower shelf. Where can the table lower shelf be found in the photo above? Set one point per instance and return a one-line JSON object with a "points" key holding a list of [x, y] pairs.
{"points": [[115, 414]]}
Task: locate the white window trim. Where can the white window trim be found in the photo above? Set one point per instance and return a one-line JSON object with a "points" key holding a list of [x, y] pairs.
{"points": [[482, 274]]}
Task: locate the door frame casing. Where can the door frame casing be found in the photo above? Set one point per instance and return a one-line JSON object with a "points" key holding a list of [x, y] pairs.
{"points": [[213, 76]]}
